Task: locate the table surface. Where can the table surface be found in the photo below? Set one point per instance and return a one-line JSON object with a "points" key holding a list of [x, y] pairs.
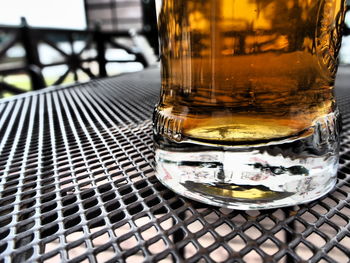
{"points": [[77, 184]]}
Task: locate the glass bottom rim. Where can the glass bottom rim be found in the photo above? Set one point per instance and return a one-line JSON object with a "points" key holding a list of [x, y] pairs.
{"points": [[253, 177], [248, 206]]}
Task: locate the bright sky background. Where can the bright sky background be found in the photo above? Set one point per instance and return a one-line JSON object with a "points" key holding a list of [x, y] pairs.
{"points": [[44, 13]]}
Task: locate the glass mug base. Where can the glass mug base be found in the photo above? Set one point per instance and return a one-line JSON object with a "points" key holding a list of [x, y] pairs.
{"points": [[263, 176]]}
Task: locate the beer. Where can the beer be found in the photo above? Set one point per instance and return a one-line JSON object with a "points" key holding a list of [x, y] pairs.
{"points": [[247, 117], [246, 70]]}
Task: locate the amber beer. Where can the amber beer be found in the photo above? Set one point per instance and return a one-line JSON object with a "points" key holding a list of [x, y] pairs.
{"points": [[245, 72]]}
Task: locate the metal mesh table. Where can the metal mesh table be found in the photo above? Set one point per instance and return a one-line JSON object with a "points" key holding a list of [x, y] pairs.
{"points": [[77, 184]]}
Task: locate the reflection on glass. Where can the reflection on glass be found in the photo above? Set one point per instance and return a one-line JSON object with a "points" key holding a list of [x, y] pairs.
{"points": [[257, 58], [247, 116]]}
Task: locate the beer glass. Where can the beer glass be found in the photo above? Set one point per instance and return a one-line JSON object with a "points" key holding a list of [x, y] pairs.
{"points": [[247, 117]]}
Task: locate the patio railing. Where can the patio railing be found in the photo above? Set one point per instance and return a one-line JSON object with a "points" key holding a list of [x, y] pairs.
{"points": [[95, 44], [30, 38]]}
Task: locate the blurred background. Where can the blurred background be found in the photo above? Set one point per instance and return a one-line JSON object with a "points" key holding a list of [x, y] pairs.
{"points": [[51, 42], [54, 42]]}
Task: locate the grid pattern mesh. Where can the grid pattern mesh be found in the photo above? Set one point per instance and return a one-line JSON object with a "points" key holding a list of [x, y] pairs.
{"points": [[77, 184]]}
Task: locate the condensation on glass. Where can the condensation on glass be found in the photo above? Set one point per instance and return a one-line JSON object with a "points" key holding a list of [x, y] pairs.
{"points": [[247, 116]]}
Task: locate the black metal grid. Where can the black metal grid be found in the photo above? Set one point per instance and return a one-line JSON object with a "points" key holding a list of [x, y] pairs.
{"points": [[77, 184]]}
